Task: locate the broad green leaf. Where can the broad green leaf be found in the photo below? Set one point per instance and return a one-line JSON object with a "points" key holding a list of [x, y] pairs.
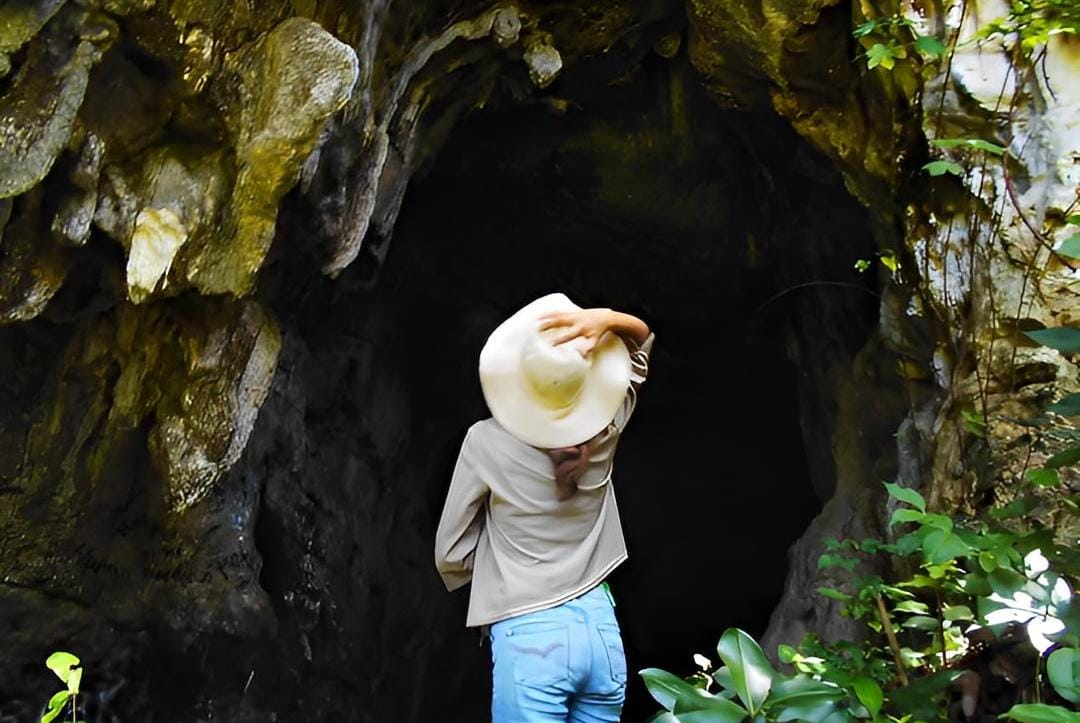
{"points": [[1005, 581], [707, 716], [921, 622], [1069, 406], [930, 46], [906, 494], [1040, 713], [941, 546], [61, 663], [803, 699], [958, 612], [833, 594], [905, 514], [912, 606], [941, 522], [869, 694], [786, 653], [665, 687], [56, 706], [722, 676], [663, 717], [1070, 247], [680, 697], [940, 168], [1063, 338], [1065, 458], [1042, 477], [988, 560], [1063, 668], [74, 679], [880, 54], [721, 710], [750, 669]]}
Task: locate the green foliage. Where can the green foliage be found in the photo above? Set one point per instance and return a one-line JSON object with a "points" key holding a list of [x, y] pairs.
{"points": [[962, 572], [1040, 713], [896, 38], [68, 669], [1063, 338], [762, 693], [1035, 21]]}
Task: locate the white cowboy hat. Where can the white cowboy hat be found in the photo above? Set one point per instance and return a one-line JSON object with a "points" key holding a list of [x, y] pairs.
{"points": [[551, 396]]}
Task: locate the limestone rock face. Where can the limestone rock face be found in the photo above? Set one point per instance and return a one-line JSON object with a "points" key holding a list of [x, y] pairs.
{"points": [[197, 199]]}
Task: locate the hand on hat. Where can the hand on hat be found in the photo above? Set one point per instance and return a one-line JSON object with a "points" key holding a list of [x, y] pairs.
{"points": [[590, 324]]}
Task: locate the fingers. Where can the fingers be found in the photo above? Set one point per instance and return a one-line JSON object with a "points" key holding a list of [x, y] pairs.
{"points": [[552, 319]]}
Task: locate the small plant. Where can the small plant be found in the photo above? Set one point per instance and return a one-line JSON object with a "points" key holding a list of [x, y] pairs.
{"points": [[69, 670]]}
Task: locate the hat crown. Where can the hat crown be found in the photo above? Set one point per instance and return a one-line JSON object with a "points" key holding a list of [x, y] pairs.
{"points": [[555, 374]]}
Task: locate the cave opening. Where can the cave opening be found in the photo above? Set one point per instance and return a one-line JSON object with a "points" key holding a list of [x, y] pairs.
{"points": [[726, 232]]}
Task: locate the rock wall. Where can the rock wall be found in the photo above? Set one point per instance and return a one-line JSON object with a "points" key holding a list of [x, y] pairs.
{"points": [[171, 171]]}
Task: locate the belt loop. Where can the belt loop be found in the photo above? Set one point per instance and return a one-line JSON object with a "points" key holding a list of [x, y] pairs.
{"points": [[607, 591]]}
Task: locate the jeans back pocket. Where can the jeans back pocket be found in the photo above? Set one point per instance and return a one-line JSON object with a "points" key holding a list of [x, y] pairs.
{"points": [[613, 647], [539, 652]]}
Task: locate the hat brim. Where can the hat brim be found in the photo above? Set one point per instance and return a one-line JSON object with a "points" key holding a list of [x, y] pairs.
{"points": [[511, 401]]}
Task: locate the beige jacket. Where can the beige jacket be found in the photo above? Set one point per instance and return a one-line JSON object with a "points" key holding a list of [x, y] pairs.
{"points": [[503, 528]]}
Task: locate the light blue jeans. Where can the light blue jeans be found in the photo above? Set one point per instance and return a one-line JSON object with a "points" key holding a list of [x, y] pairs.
{"points": [[562, 664]]}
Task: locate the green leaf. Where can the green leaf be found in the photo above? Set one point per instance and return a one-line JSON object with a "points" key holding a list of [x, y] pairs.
{"points": [[906, 494], [707, 716], [940, 522], [976, 143], [1069, 405], [750, 669], [940, 168], [921, 622], [882, 55], [988, 560], [912, 606], [1042, 477], [1064, 458], [1070, 247], [865, 29], [941, 546], [1018, 507], [665, 687], [786, 653], [56, 706], [869, 694], [678, 696], [1040, 713], [958, 612], [1063, 338], [1063, 668], [930, 46], [663, 717], [905, 514], [919, 698], [61, 663], [801, 698], [1005, 581], [833, 594], [74, 679]]}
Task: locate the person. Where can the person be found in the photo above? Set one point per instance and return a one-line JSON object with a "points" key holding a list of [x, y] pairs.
{"points": [[530, 516]]}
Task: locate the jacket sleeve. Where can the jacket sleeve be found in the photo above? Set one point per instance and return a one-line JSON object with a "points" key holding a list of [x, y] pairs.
{"points": [[462, 519], [639, 372]]}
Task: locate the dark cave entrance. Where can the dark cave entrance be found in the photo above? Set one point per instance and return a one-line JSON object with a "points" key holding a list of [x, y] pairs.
{"points": [[645, 196]]}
